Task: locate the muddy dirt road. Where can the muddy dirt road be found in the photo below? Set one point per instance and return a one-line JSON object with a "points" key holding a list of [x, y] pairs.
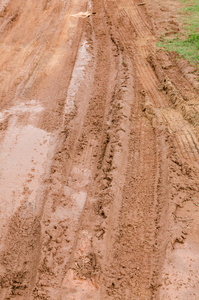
{"points": [[99, 168]]}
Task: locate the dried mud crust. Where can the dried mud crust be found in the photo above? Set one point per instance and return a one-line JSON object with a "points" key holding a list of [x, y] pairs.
{"points": [[116, 193]]}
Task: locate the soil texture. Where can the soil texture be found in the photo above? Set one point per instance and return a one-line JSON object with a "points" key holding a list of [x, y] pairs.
{"points": [[99, 153]]}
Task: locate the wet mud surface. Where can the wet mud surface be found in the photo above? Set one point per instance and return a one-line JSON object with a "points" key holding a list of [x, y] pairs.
{"points": [[99, 168]]}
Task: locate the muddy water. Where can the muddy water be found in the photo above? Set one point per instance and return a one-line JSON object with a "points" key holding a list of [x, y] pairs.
{"points": [[82, 61], [75, 196], [24, 150], [66, 200]]}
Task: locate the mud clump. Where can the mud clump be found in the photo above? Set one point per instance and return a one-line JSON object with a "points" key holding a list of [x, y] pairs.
{"points": [[189, 110]]}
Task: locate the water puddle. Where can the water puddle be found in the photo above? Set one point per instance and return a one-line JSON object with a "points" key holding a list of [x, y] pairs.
{"points": [[23, 155], [20, 109], [90, 5], [82, 61]]}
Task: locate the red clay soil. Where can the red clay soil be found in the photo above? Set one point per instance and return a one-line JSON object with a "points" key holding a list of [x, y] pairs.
{"points": [[99, 156]]}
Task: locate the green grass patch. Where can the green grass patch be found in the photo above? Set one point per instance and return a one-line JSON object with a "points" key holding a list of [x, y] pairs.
{"points": [[186, 43]]}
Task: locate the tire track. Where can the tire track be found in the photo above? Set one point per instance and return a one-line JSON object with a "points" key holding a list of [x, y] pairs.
{"points": [[20, 249], [112, 179], [71, 285], [139, 48]]}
